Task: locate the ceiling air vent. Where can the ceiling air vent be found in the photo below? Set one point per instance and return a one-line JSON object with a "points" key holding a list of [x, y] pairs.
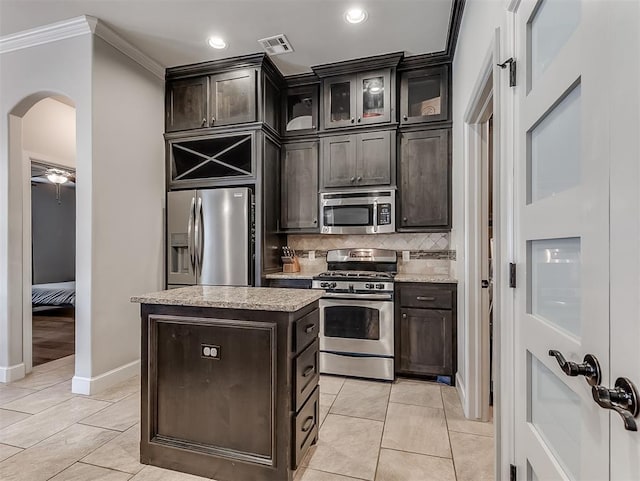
{"points": [[276, 45]]}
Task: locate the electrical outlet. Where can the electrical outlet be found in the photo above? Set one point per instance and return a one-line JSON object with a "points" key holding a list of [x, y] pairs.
{"points": [[210, 351], [406, 255]]}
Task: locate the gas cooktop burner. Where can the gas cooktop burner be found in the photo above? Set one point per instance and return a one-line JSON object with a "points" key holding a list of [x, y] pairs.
{"points": [[355, 274]]}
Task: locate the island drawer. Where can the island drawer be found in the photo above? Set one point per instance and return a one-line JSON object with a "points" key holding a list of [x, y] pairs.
{"points": [[305, 427], [306, 330], [426, 297], [307, 373]]}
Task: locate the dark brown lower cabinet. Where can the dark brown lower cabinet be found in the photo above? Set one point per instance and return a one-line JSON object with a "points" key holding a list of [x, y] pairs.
{"points": [[229, 394], [425, 329]]}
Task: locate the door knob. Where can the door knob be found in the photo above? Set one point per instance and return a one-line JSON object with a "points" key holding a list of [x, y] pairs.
{"points": [[623, 399], [590, 368]]}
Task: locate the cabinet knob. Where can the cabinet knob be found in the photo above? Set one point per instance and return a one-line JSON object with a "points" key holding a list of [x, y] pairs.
{"points": [[404, 219], [315, 221], [405, 117], [359, 119], [359, 179], [352, 120], [353, 179], [204, 122], [213, 119], [404, 316]]}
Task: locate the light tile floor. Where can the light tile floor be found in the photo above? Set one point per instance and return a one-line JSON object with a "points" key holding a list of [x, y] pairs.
{"points": [[370, 431]]}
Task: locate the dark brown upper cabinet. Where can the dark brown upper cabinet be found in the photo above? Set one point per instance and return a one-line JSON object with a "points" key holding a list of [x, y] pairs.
{"points": [[358, 160], [211, 101], [358, 99], [299, 211], [186, 104], [301, 110], [424, 95], [233, 98], [424, 181]]}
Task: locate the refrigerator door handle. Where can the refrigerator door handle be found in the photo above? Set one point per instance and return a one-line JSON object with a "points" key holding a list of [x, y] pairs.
{"points": [[199, 235], [190, 246]]}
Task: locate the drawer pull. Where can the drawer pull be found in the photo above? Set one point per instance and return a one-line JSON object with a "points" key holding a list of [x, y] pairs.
{"points": [[308, 424], [307, 372], [309, 329], [422, 298]]}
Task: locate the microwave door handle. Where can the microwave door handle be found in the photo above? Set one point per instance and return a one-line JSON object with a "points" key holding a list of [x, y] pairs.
{"points": [[190, 246], [375, 216]]}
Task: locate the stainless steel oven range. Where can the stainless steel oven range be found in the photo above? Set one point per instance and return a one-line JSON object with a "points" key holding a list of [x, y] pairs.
{"points": [[356, 313]]}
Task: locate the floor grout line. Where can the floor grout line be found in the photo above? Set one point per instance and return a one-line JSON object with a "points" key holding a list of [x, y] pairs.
{"points": [[384, 424], [446, 420]]}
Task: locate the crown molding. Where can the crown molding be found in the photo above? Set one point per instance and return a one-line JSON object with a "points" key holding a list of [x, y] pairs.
{"points": [[74, 27], [52, 32], [101, 30]]}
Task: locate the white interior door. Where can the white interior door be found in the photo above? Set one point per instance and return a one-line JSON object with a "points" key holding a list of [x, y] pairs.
{"points": [[562, 236], [624, 61]]}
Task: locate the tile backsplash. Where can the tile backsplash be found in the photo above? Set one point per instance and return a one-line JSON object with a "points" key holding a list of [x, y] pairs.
{"points": [[398, 242], [429, 252]]}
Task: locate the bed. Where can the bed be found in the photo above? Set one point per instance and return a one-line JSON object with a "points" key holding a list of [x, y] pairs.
{"points": [[54, 294]]}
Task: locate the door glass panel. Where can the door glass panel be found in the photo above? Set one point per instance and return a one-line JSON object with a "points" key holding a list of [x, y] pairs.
{"points": [[299, 111], [552, 25], [352, 322], [348, 215], [555, 411], [424, 96], [373, 97], [340, 100], [555, 294], [555, 149]]}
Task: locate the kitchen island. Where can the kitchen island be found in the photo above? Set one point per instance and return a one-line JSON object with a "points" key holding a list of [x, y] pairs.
{"points": [[229, 380]]}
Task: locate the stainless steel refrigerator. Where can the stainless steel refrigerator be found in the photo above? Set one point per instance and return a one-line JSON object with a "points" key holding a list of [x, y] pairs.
{"points": [[210, 237]]}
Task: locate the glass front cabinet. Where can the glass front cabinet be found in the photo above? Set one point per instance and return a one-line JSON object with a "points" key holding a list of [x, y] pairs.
{"points": [[424, 95], [359, 99], [301, 110]]}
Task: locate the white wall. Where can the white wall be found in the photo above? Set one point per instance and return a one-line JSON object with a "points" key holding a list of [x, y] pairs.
{"points": [[479, 21], [120, 196], [128, 199], [49, 132], [26, 76]]}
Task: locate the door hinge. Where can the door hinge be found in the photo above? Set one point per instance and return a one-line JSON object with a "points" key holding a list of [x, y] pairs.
{"points": [[512, 70], [512, 275], [513, 473]]}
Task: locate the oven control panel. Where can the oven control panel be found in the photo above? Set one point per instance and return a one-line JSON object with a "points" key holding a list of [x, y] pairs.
{"points": [[353, 286]]}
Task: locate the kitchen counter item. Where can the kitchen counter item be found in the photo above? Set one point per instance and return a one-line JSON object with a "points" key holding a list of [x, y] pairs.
{"points": [[408, 277], [226, 297]]}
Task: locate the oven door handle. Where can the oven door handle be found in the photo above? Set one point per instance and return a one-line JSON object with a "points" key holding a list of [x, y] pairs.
{"points": [[358, 297]]}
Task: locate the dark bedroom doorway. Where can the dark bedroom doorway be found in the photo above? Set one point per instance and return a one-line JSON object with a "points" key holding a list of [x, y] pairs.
{"points": [[53, 246]]}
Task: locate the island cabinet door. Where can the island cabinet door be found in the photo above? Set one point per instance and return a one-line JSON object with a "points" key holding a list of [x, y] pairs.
{"points": [[212, 385], [426, 341]]}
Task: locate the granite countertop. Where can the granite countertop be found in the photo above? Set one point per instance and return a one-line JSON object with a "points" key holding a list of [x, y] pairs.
{"points": [[226, 297], [407, 277], [293, 275]]}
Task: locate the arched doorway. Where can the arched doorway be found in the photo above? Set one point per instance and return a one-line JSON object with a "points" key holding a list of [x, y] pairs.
{"points": [[42, 129]]}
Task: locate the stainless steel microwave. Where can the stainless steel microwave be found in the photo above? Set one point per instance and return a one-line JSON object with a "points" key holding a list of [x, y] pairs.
{"points": [[367, 212]]}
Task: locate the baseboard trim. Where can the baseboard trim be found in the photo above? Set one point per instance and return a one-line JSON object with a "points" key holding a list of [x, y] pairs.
{"points": [[93, 385], [12, 373], [462, 392]]}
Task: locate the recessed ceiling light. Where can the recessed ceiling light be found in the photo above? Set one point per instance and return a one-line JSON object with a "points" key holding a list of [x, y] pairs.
{"points": [[355, 15], [217, 42]]}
